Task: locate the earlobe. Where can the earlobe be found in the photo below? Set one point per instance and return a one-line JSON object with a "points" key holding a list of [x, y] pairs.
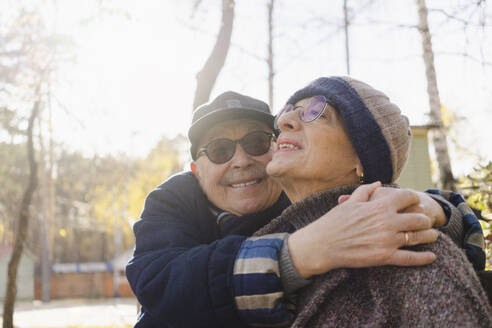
{"points": [[194, 170], [359, 170]]}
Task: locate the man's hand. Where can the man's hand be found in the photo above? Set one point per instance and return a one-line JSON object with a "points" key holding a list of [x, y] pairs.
{"points": [[427, 205], [362, 233]]}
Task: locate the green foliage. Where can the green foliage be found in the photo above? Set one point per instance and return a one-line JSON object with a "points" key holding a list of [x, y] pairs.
{"points": [[118, 196], [14, 175], [10, 122], [93, 196], [477, 189]]}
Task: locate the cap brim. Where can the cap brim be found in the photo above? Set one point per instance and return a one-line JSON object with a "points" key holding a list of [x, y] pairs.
{"points": [[197, 130]]}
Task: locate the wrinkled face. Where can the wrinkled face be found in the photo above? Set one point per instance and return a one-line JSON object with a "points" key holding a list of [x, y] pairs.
{"points": [[317, 155], [241, 185]]}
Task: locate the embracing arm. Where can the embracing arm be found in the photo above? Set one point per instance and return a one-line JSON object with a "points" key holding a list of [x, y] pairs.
{"points": [[177, 268], [181, 267], [361, 233], [463, 226], [450, 214]]}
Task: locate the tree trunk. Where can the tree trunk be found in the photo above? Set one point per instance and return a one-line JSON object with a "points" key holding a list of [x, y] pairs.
{"points": [[117, 238], [271, 71], [43, 213], [208, 75], [446, 177], [45, 258], [346, 27], [11, 291], [51, 186]]}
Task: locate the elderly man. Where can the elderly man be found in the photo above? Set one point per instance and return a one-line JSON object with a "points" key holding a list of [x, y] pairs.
{"points": [[195, 227]]}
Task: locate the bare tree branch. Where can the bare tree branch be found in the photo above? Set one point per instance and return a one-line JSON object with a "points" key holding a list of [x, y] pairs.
{"points": [[392, 24], [449, 16], [271, 71], [465, 55], [194, 9], [208, 74]]}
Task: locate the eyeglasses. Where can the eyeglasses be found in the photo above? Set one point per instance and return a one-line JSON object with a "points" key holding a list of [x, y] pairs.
{"points": [[307, 113], [220, 151]]}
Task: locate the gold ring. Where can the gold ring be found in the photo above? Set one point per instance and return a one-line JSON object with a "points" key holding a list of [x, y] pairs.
{"points": [[406, 238]]}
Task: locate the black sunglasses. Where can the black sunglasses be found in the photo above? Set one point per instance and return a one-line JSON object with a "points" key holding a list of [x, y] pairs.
{"points": [[220, 151]]}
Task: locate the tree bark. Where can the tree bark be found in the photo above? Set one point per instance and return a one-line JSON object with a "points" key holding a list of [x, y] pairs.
{"points": [[51, 204], [43, 181], [271, 71], [446, 177], [208, 74], [346, 28], [11, 291]]}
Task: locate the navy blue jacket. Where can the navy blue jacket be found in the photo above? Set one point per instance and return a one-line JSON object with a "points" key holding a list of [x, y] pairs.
{"points": [[182, 267]]}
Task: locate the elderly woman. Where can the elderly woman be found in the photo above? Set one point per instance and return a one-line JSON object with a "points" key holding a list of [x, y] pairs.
{"points": [[335, 134]]}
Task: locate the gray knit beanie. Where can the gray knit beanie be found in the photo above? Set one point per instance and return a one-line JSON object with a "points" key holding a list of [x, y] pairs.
{"points": [[379, 132]]}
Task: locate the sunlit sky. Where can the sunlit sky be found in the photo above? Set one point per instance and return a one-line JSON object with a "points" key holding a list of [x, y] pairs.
{"points": [[133, 79]]}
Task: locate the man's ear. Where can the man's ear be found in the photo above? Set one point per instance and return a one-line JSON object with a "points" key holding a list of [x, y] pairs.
{"points": [[194, 169]]}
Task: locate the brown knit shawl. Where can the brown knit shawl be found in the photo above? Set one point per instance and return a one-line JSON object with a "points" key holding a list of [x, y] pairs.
{"points": [[446, 293]]}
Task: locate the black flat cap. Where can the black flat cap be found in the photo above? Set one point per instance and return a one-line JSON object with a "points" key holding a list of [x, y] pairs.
{"points": [[227, 106]]}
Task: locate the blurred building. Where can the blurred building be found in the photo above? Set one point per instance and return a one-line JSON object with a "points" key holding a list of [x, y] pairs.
{"points": [[121, 283], [417, 173], [25, 273], [88, 280]]}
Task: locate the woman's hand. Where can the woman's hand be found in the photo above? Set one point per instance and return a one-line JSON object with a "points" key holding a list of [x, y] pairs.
{"points": [[362, 233]]}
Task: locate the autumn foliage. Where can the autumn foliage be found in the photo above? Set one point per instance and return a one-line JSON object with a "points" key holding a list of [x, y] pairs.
{"points": [[477, 188]]}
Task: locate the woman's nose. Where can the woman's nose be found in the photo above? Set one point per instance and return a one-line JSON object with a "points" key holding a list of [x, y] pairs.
{"points": [[288, 121]]}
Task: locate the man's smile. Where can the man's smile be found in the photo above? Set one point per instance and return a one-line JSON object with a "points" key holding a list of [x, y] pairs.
{"points": [[246, 183]]}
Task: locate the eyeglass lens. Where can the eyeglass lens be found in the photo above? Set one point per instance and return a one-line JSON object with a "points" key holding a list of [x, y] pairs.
{"points": [[307, 113], [313, 110]]}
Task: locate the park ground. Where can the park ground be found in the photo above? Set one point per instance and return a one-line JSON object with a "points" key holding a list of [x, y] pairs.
{"points": [[75, 313]]}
